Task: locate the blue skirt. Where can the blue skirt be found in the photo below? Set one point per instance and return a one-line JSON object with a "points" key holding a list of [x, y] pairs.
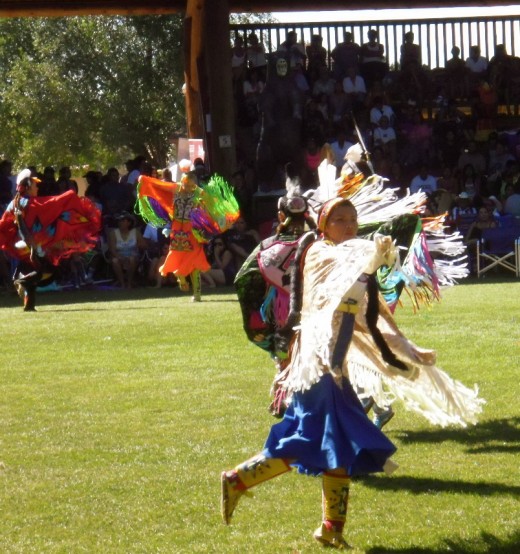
{"points": [[326, 428]]}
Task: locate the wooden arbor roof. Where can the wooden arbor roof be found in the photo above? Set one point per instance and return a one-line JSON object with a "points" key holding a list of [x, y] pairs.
{"points": [[20, 8]]}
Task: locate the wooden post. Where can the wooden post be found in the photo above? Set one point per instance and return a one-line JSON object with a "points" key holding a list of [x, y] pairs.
{"points": [[192, 53], [220, 119]]}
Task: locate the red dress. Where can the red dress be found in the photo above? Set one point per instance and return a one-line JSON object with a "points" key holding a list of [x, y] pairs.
{"points": [[60, 225]]}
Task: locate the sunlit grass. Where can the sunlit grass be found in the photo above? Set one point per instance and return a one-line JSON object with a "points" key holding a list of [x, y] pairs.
{"points": [[119, 412]]}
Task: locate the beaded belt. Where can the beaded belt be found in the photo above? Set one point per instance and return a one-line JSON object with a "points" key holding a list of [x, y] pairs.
{"points": [[348, 308]]}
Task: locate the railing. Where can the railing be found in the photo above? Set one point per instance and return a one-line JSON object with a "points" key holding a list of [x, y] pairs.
{"points": [[436, 37]]}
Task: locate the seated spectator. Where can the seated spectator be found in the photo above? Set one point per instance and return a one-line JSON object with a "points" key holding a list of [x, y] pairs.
{"points": [[418, 146], [470, 181], [300, 80], [154, 273], [497, 162], [355, 89], [313, 155], [446, 194], [322, 103], [448, 181], [450, 118], [338, 104], [396, 179], [478, 69], [382, 164], [423, 181], [154, 242], [373, 65], [376, 91], [512, 202], [508, 178], [339, 147], [222, 270], [463, 213], [241, 240], [324, 84], [345, 54], [493, 204], [316, 57], [384, 136], [484, 220], [314, 122], [472, 155], [380, 109], [124, 245]]}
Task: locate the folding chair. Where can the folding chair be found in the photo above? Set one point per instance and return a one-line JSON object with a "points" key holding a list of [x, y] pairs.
{"points": [[499, 247]]}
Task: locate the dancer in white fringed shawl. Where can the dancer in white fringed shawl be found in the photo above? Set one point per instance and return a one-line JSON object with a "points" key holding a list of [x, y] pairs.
{"points": [[346, 331]]}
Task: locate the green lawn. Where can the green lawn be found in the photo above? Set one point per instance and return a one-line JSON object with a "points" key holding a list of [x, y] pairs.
{"points": [[119, 411]]}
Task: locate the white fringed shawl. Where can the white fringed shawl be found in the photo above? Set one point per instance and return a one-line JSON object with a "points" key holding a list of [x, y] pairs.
{"points": [[329, 273]]}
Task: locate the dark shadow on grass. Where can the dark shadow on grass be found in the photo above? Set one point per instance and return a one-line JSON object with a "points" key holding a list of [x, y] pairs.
{"points": [[491, 278], [486, 543], [495, 435], [107, 294], [425, 485]]}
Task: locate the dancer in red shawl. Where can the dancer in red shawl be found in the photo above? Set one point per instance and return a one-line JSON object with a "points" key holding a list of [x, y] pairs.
{"points": [[191, 215], [41, 231]]}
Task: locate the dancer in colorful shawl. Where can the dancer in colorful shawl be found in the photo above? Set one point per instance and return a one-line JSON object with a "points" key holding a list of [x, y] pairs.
{"points": [[325, 430], [191, 215], [41, 231], [429, 258], [263, 281], [344, 323]]}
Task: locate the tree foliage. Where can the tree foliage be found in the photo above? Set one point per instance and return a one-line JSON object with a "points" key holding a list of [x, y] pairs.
{"points": [[90, 90]]}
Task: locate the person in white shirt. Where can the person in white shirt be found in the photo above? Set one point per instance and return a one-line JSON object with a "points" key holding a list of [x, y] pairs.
{"points": [[379, 110], [324, 84], [355, 88], [340, 147], [384, 136], [424, 182], [477, 67]]}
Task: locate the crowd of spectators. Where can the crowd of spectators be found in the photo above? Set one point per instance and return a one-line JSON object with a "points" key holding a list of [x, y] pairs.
{"points": [[435, 131], [453, 152]]}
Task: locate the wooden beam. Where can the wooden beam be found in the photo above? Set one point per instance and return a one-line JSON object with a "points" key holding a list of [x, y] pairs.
{"points": [[59, 8], [53, 8]]}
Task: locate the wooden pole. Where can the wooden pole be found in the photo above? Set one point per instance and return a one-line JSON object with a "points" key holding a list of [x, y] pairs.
{"points": [[220, 119], [192, 54]]}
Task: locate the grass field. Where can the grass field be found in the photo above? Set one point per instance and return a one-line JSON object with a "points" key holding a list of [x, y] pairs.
{"points": [[119, 411]]}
